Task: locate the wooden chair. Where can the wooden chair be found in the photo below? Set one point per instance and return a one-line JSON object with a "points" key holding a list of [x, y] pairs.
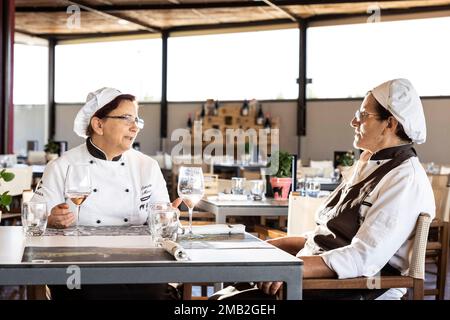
{"points": [[437, 247], [414, 280], [301, 217], [21, 181]]}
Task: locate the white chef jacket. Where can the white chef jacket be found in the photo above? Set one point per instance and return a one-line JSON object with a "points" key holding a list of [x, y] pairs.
{"points": [[386, 226], [121, 189]]}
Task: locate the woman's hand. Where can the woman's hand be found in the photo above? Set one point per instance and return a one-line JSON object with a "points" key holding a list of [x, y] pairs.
{"points": [[177, 202], [270, 288], [60, 217]]}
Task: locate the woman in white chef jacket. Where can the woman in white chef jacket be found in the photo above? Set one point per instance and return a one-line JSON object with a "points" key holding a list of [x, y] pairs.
{"points": [[365, 226], [124, 182]]}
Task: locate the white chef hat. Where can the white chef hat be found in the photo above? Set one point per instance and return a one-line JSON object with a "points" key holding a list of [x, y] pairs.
{"points": [[400, 98], [94, 102]]}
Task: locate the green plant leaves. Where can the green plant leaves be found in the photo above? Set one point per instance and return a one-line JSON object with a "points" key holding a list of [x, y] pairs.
{"points": [[284, 164], [5, 198], [7, 176]]}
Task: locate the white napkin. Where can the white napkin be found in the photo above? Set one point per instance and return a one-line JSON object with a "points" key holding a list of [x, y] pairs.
{"points": [[219, 229], [231, 197], [175, 249]]}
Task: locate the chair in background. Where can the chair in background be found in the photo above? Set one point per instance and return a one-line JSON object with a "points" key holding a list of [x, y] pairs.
{"points": [[21, 181], [437, 247], [445, 170], [321, 164], [21, 188], [301, 217], [37, 158], [414, 280], [303, 172]]}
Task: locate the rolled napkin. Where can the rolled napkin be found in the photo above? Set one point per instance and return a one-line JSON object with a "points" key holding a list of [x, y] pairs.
{"points": [[231, 197], [175, 249], [219, 229]]}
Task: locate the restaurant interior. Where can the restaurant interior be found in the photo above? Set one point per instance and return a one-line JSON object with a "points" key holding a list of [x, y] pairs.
{"points": [[249, 111]]}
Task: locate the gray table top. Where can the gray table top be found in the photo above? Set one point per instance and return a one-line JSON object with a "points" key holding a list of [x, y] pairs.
{"points": [[268, 202], [244, 249]]}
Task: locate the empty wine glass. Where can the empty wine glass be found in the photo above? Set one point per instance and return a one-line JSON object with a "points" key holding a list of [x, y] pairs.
{"points": [[78, 187], [191, 188]]}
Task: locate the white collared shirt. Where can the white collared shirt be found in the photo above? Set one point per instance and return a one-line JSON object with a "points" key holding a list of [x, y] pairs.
{"points": [[121, 190]]}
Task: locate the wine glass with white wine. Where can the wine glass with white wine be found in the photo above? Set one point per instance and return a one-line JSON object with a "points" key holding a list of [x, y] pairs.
{"points": [[78, 187], [191, 188]]}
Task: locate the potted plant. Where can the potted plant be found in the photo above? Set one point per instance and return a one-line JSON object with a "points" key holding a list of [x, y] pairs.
{"points": [[52, 150], [5, 198], [345, 161], [281, 181]]}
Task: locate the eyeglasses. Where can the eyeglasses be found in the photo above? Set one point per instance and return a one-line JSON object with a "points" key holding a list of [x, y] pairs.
{"points": [[130, 120], [361, 116]]}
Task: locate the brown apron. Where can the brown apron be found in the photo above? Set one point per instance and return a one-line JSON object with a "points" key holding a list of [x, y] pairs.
{"points": [[346, 223]]}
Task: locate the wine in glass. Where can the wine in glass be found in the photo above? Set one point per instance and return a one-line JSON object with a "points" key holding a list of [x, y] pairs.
{"points": [[191, 188], [78, 187]]}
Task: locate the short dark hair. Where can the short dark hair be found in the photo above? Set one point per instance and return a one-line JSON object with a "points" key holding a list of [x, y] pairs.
{"points": [[107, 109], [384, 114]]}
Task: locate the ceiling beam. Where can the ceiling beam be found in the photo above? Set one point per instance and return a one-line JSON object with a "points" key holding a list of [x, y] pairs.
{"points": [[384, 12], [278, 8], [230, 25], [197, 5], [117, 16], [82, 36]]}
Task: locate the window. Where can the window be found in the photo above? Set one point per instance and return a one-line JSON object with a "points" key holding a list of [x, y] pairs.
{"points": [[347, 61], [30, 96], [234, 66], [30, 74], [132, 66]]}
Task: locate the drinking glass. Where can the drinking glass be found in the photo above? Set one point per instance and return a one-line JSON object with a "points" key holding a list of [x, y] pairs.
{"points": [[163, 221], [301, 186], [191, 188], [237, 185], [312, 188], [257, 189], [78, 187], [34, 218]]}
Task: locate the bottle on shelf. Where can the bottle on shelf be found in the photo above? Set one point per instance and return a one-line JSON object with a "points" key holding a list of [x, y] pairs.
{"points": [[202, 113], [216, 108], [244, 109], [189, 121], [260, 116], [267, 122]]}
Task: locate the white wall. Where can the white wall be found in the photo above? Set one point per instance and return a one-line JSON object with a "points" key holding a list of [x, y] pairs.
{"points": [[328, 127]]}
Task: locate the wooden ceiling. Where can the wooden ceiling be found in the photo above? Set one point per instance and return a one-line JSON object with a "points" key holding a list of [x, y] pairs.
{"points": [[110, 17]]}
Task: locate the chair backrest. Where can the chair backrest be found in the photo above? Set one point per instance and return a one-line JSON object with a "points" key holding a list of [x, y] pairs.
{"points": [[445, 170], [211, 183], [308, 171], [417, 262], [321, 164], [37, 157], [21, 181], [441, 192], [302, 213], [224, 185]]}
